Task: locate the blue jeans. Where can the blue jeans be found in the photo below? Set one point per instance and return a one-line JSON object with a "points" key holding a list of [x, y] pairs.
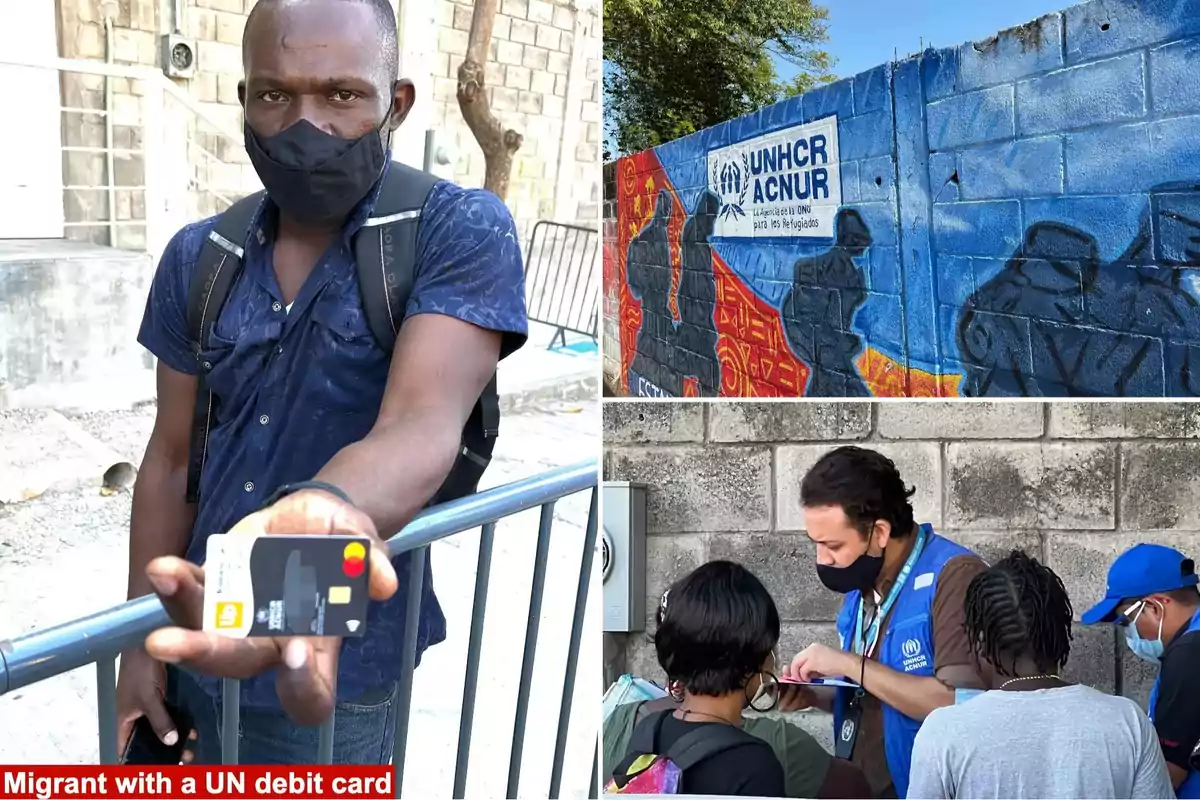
{"points": [[363, 730]]}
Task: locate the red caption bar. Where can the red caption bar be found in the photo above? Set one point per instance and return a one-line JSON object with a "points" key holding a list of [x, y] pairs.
{"points": [[217, 783]]}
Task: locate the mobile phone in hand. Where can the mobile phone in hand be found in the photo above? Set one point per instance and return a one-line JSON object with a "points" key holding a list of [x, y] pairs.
{"points": [[145, 748]]}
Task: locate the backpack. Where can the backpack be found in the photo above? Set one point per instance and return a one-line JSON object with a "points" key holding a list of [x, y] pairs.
{"points": [[385, 253], [662, 773]]}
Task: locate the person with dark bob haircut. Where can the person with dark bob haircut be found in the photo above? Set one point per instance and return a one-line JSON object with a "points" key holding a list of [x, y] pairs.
{"points": [[1089, 744], [901, 620], [715, 638]]}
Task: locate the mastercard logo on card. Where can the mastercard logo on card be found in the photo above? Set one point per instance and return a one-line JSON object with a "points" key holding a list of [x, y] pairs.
{"points": [[354, 560]]}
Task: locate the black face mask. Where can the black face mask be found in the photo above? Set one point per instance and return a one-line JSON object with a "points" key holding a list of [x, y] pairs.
{"points": [[859, 575], [314, 177]]}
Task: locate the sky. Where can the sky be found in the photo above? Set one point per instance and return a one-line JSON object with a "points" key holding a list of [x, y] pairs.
{"points": [[865, 33]]}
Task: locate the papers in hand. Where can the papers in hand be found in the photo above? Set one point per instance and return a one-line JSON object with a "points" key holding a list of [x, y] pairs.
{"points": [[820, 682]]}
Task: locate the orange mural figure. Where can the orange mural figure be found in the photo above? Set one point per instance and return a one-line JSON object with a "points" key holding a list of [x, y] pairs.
{"points": [[753, 352]]}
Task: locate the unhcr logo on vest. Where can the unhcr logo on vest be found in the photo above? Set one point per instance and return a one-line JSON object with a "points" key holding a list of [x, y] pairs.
{"points": [[782, 184], [914, 657]]}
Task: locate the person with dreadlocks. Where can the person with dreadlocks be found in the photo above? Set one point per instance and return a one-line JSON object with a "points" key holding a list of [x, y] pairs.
{"points": [[1152, 595], [900, 624], [1035, 735]]}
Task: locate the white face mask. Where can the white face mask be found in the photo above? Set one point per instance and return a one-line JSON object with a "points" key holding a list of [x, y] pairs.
{"points": [[767, 694], [1148, 650]]}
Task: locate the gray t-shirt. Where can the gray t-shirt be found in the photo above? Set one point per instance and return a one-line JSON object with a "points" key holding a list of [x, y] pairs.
{"points": [[1069, 742]]}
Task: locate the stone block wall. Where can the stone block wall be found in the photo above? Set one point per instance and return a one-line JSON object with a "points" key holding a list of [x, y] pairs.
{"points": [[544, 79], [1008, 217], [217, 163], [1072, 483], [544, 75]]}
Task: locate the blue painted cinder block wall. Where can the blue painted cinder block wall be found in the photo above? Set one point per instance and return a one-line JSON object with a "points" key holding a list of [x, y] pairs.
{"points": [[1031, 210]]}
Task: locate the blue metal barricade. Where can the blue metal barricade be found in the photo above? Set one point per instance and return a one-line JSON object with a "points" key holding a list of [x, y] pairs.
{"points": [[99, 638], [559, 291]]}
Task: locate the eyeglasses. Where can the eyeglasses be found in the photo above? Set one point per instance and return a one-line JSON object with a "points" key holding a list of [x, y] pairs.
{"points": [[1130, 615]]}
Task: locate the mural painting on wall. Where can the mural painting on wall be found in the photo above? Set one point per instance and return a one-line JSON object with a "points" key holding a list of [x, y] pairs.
{"points": [[1088, 323], [691, 325], [700, 316], [1018, 216]]}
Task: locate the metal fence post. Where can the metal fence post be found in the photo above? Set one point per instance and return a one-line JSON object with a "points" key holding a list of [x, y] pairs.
{"points": [[581, 593], [408, 655], [231, 720], [466, 721], [430, 149], [530, 652], [106, 708]]}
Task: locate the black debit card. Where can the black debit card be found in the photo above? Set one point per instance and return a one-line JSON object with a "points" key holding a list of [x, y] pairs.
{"points": [[309, 585]]}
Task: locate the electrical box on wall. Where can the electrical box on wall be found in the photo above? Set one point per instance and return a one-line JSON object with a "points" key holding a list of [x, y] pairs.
{"points": [[623, 556], [178, 56]]}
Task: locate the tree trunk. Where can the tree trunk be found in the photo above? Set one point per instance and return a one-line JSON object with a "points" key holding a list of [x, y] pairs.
{"points": [[498, 145]]}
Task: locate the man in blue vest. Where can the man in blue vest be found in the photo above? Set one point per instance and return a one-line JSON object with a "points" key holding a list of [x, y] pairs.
{"points": [[901, 628], [1152, 594]]}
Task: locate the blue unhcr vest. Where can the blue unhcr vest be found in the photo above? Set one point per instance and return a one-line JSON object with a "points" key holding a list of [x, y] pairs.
{"points": [[906, 646], [1190, 788]]}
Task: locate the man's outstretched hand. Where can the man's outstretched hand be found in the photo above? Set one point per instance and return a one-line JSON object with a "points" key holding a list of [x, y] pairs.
{"points": [[307, 676]]}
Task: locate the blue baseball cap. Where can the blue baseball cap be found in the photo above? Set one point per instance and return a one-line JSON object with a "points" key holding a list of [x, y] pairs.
{"points": [[1142, 570]]}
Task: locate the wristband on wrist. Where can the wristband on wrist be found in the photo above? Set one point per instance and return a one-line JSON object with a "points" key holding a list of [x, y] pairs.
{"points": [[292, 488]]}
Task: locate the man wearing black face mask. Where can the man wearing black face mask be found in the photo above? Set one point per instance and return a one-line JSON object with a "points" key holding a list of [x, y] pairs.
{"points": [[901, 623], [317, 423]]}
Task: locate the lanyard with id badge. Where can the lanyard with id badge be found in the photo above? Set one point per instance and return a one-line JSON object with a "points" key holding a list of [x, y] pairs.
{"points": [[863, 642]]}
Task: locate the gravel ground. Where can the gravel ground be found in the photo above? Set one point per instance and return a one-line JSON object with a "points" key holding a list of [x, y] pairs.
{"points": [[63, 555]]}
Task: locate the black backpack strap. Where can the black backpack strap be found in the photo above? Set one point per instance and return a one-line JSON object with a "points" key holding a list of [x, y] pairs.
{"points": [[385, 251], [645, 731], [647, 707], [218, 265], [703, 743]]}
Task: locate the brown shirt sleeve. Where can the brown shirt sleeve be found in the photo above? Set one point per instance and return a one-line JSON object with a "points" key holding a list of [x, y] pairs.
{"points": [[843, 781], [951, 648]]}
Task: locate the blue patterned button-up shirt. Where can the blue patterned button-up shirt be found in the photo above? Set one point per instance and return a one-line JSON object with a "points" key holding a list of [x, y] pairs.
{"points": [[295, 386]]}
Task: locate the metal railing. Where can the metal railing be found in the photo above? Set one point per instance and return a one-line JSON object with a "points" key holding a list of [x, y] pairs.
{"points": [[559, 286], [101, 637]]}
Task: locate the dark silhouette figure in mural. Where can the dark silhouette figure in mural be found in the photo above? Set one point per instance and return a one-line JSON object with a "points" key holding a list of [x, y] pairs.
{"points": [[1057, 322], [816, 312], [668, 352], [826, 292]]}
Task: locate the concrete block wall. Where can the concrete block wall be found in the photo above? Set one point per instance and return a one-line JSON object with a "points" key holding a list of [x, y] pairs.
{"points": [[544, 79], [70, 313], [216, 26], [544, 72], [1014, 218], [1073, 483]]}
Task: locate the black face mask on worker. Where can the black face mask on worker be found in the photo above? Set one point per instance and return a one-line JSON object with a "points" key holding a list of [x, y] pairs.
{"points": [[859, 575], [314, 177]]}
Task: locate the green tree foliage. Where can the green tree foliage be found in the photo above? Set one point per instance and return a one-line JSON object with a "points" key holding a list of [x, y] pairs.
{"points": [[678, 66]]}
